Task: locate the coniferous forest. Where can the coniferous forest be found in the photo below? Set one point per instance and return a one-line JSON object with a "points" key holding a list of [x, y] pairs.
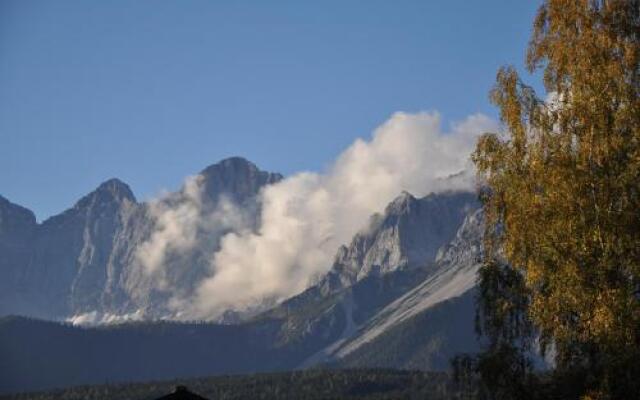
{"points": [[311, 384]]}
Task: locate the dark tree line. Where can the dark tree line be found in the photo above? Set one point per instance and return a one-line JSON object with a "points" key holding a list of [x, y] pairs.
{"points": [[308, 384]]}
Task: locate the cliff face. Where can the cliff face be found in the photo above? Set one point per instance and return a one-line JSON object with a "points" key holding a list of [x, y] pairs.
{"points": [[17, 232], [407, 235], [72, 252], [236, 178], [453, 275]]}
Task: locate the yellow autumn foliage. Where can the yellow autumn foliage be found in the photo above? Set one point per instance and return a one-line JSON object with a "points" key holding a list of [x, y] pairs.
{"points": [[564, 182]]}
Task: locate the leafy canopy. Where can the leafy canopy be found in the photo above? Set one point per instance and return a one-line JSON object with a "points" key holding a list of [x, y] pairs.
{"points": [[561, 197]]}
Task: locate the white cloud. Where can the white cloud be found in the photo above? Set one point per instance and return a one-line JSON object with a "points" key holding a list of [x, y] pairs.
{"points": [[96, 318], [183, 223], [176, 225], [307, 216]]}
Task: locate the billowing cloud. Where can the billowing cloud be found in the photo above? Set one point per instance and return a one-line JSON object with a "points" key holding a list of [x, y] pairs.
{"points": [[183, 223], [176, 225], [308, 215]]}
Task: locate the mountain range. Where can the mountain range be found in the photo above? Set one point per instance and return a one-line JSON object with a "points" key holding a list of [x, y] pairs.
{"points": [[85, 260], [399, 295]]}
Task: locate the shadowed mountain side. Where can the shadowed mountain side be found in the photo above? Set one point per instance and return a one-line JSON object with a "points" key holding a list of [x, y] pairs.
{"points": [[426, 341], [39, 355], [42, 355]]}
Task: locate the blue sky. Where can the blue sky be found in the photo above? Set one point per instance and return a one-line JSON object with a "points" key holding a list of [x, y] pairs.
{"points": [[153, 91]]}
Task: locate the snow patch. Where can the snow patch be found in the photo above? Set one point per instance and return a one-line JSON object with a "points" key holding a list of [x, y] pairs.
{"points": [[94, 318]]}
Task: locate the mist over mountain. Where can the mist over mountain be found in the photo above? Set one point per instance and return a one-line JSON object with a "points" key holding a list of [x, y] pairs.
{"points": [[97, 258], [235, 239], [388, 298]]}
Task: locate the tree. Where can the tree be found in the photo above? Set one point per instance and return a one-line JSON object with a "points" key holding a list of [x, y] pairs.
{"points": [[562, 209]]}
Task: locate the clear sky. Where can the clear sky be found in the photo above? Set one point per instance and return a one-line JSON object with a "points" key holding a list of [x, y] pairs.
{"points": [[151, 91]]}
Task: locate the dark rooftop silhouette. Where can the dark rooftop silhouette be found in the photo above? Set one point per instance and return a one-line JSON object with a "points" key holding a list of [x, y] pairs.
{"points": [[182, 393]]}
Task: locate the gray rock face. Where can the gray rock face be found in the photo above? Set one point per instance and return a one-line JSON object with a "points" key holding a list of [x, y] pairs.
{"points": [[84, 259], [68, 255], [454, 274], [237, 178], [16, 223], [73, 251], [17, 231], [387, 320], [407, 235], [429, 324]]}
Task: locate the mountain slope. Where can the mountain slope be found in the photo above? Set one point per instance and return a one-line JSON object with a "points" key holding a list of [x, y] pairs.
{"points": [[426, 341], [455, 274], [39, 355], [380, 300]]}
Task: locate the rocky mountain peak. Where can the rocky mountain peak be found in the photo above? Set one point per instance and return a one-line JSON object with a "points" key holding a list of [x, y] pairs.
{"points": [[116, 189], [401, 204], [232, 165], [14, 219], [112, 193], [407, 235], [237, 178], [10, 211], [234, 162]]}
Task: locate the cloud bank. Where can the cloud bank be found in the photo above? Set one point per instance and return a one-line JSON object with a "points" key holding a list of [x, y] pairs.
{"points": [[303, 219], [185, 223], [307, 216], [176, 225]]}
